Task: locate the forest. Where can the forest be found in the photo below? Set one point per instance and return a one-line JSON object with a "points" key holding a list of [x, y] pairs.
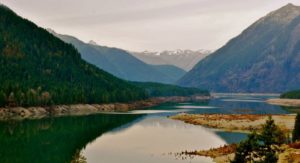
{"points": [[38, 69], [291, 95], [158, 89]]}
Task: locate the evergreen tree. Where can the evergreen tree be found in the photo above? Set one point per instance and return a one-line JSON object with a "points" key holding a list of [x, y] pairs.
{"points": [[270, 156], [272, 134], [2, 98], [245, 149], [296, 132], [262, 147]]}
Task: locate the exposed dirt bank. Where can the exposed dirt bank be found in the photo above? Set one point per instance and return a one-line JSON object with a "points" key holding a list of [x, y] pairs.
{"points": [[20, 113], [236, 122], [284, 102]]}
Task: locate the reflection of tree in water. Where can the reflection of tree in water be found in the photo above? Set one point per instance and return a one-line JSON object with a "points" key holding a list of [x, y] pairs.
{"points": [[54, 139]]}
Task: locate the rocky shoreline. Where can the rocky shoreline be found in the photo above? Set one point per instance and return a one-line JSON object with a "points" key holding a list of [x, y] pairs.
{"points": [[20, 113]]}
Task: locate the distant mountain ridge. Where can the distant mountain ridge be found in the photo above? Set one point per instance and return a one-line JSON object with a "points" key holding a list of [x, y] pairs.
{"points": [[122, 64], [185, 59], [263, 58]]}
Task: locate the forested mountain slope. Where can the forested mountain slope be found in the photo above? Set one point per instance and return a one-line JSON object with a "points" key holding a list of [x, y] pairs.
{"points": [[263, 58], [40, 69]]}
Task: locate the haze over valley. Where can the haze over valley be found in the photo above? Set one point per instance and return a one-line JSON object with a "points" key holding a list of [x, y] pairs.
{"points": [[136, 81]]}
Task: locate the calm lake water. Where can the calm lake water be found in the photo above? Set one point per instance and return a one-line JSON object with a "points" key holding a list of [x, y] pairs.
{"points": [[140, 136]]}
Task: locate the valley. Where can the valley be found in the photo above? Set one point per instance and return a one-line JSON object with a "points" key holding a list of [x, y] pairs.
{"points": [[121, 63], [66, 99]]}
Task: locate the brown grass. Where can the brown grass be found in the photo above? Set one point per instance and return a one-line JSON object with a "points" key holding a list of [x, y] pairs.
{"points": [[214, 152], [236, 122]]}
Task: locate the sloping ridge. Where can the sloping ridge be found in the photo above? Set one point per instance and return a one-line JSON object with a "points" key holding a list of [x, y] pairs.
{"points": [[263, 58], [119, 62], [40, 69]]}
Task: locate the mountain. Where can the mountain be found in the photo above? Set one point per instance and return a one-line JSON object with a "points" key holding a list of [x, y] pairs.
{"points": [[172, 72], [40, 69], [185, 59], [263, 58], [122, 64]]}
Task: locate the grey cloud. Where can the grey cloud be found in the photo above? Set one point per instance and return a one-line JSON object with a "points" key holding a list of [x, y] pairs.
{"points": [[148, 24]]}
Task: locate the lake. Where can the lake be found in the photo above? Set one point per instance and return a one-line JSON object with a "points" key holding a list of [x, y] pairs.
{"points": [[145, 136]]}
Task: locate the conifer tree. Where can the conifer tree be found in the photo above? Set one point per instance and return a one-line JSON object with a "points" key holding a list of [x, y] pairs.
{"points": [[262, 147], [2, 98], [245, 148], [272, 134], [296, 132]]}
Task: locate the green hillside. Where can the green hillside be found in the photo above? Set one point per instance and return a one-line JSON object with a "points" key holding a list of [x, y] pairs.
{"points": [[159, 90], [291, 95], [40, 69]]}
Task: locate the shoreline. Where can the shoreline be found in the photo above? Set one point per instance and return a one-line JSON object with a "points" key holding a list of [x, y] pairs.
{"points": [[236, 123], [21, 113], [284, 102], [224, 154]]}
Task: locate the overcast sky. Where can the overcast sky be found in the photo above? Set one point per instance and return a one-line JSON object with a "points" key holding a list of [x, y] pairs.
{"points": [[153, 25]]}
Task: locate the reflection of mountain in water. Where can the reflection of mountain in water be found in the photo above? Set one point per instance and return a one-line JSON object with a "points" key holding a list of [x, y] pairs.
{"points": [[245, 106], [54, 140], [222, 105]]}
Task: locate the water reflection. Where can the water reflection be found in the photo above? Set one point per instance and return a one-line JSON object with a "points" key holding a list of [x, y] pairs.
{"points": [[227, 105], [145, 135], [152, 140], [56, 140]]}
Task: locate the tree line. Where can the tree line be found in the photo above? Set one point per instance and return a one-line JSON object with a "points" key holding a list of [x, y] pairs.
{"points": [[291, 95]]}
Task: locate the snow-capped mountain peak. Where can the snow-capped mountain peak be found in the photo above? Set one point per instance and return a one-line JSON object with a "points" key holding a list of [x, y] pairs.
{"points": [[184, 59]]}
